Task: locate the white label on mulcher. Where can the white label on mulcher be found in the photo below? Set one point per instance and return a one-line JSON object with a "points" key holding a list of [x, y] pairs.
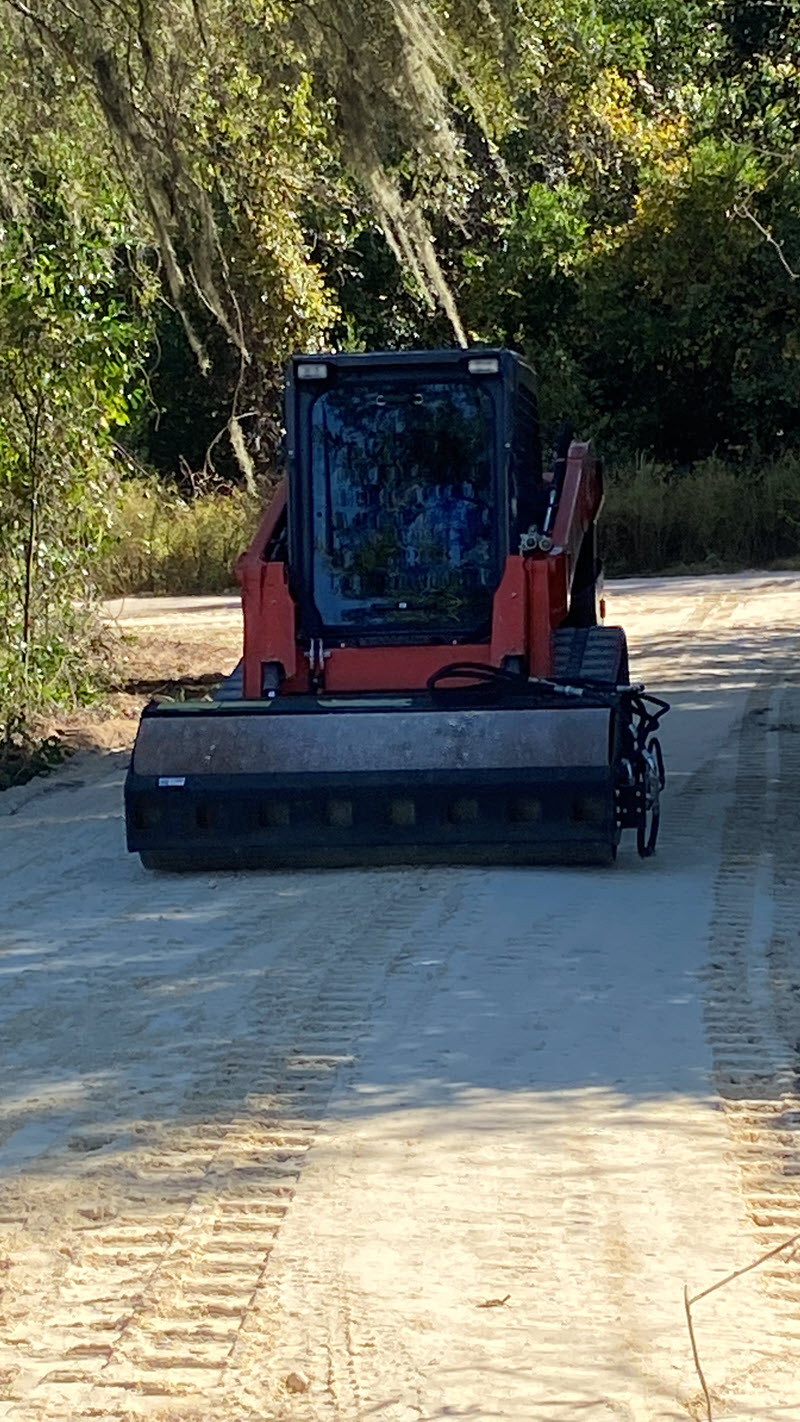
{"points": [[174, 780]]}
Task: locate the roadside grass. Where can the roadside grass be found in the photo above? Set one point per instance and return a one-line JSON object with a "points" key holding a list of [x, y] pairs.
{"points": [[161, 543], [154, 542], [714, 517], [71, 666]]}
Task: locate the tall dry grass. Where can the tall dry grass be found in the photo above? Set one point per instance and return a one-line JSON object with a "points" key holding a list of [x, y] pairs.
{"points": [[161, 543], [716, 516]]}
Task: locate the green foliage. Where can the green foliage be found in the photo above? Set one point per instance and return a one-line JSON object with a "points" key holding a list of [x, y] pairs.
{"points": [[689, 324], [239, 127], [70, 351], [609, 186], [640, 241]]}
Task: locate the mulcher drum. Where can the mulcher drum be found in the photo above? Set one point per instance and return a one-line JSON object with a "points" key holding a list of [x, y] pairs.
{"points": [[373, 780]]}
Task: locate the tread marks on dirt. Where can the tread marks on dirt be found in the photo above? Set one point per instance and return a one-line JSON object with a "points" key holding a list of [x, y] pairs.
{"points": [[308, 1315], [134, 1233], [783, 951], [191, 1283], [753, 985]]}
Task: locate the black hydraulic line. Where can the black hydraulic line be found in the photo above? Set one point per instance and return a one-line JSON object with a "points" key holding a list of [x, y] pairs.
{"points": [[489, 681], [485, 683]]}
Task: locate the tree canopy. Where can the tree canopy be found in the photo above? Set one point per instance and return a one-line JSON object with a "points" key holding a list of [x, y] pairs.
{"points": [[400, 170]]}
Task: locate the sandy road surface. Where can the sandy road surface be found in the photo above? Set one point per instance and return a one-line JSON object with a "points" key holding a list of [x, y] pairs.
{"points": [[306, 1131]]}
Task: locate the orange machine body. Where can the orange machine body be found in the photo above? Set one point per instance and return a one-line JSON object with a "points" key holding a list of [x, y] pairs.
{"points": [[530, 603]]}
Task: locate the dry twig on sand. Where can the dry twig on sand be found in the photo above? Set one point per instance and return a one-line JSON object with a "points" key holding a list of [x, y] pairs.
{"points": [[688, 1304]]}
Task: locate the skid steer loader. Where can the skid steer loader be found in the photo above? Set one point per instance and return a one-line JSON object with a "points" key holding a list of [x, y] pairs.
{"points": [[424, 678]]}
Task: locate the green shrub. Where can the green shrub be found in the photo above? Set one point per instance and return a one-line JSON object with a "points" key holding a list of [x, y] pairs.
{"points": [[71, 359]]}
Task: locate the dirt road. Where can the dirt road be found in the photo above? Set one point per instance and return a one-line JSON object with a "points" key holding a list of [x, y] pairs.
{"points": [[417, 1144]]}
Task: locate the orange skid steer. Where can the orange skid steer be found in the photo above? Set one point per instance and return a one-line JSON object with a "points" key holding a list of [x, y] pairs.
{"points": [[424, 678]]}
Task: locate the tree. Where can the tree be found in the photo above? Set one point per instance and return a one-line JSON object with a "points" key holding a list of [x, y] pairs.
{"points": [[72, 342]]}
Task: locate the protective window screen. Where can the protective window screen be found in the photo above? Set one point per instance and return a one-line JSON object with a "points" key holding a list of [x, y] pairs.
{"points": [[526, 463], [402, 512]]}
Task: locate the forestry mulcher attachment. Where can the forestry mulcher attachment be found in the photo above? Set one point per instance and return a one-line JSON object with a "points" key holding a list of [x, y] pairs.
{"points": [[424, 678]]}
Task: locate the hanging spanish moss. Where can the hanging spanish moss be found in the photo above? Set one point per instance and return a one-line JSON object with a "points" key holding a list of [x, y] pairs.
{"points": [[196, 96]]}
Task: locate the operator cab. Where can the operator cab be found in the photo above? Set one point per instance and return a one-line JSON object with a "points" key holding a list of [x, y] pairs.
{"points": [[410, 475]]}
